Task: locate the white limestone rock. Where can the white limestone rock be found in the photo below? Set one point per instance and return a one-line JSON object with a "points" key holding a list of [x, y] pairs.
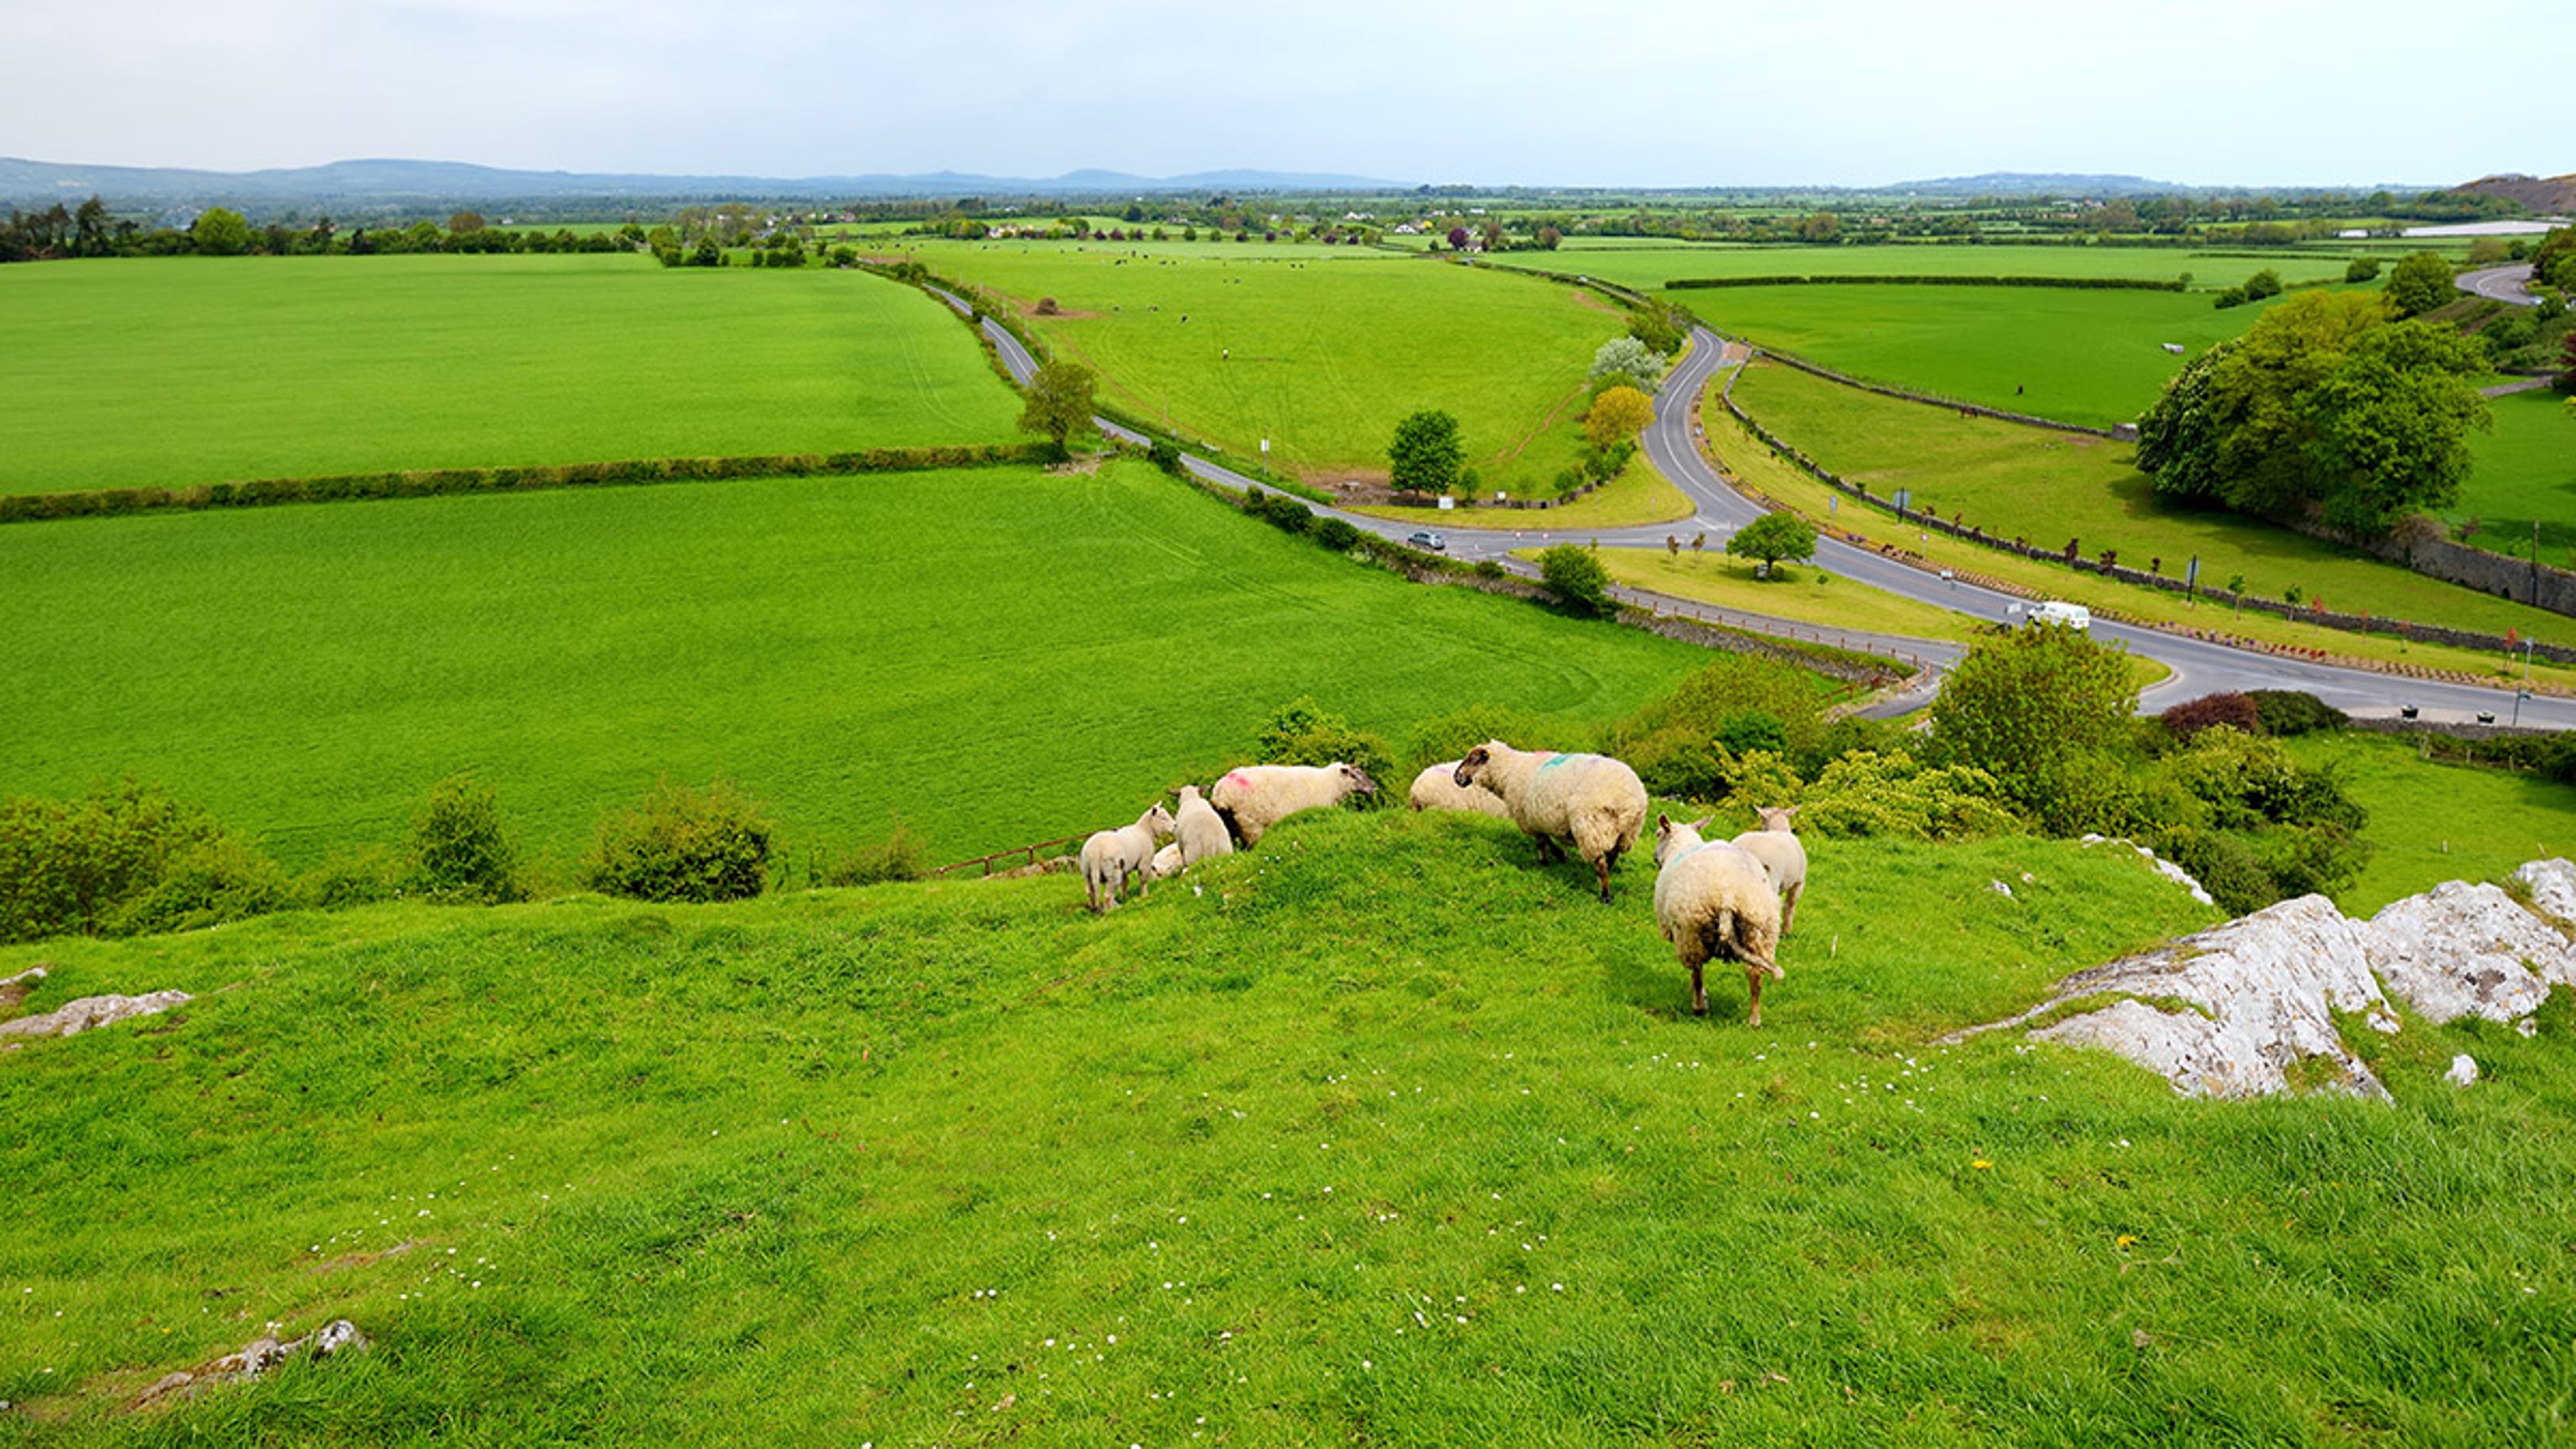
{"points": [[2553, 886], [2464, 1070], [75, 1017], [2162, 867], [2468, 950]]}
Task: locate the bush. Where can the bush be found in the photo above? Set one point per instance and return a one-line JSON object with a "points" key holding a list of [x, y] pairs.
{"points": [[1283, 512], [682, 844], [459, 849], [1576, 577], [87, 866], [2043, 710], [2232, 297], [2361, 269], [903, 855], [355, 876], [2286, 712], [1165, 454], [1869, 793], [2194, 715], [1336, 534], [1300, 732]]}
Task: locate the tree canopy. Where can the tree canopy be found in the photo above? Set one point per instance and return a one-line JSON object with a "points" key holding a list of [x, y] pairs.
{"points": [[1617, 415], [220, 232], [1426, 454], [1628, 355], [2420, 282], [1059, 402], [1773, 537]]}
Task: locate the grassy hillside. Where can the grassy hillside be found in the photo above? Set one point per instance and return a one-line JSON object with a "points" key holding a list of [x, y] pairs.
{"points": [[999, 655], [162, 373], [1380, 1133], [2526, 474], [1321, 350]]}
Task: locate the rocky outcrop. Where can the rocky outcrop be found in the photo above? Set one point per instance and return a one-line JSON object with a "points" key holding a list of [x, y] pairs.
{"points": [[256, 1359], [2248, 1008], [75, 1017]]}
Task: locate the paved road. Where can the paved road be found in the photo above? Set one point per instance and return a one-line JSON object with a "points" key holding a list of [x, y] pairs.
{"points": [[2199, 666], [2501, 284]]}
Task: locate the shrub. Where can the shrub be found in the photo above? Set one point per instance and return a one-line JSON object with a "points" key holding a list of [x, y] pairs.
{"points": [[2194, 715], [2042, 709], [1576, 577], [903, 855], [2232, 297], [1871, 793], [2282, 713], [2265, 283], [84, 866], [1336, 534], [682, 844], [1165, 454], [1300, 732], [355, 876], [459, 848], [1284, 512], [2361, 269]]}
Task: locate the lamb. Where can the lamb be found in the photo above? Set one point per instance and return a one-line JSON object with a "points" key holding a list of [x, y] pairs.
{"points": [[1590, 801], [1776, 846], [1714, 899], [1436, 788], [1253, 798], [1167, 863], [1109, 857], [1201, 830]]}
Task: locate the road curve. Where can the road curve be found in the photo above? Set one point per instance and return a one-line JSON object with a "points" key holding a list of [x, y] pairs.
{"points": [[2500, 284], [2198, 666]]}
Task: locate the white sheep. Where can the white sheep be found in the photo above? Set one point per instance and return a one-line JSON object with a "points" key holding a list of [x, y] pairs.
{"points": [[1712, 899], [1109, 857], [1437, 788], [1167, 863], [1775, 844], [1253, 798], [1200, 829], [1591, 802]]}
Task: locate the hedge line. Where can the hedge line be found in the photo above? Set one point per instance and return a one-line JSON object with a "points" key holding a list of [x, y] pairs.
{"points": [[2117, 284], [434, 482]]}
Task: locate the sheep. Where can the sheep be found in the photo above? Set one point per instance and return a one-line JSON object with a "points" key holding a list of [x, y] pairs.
{"points": [[1590, 801], [1201, 830], [1109, 857], [1253, 798], [1714, 899], [1436, 788], [1167, 863], [1776, 846]]}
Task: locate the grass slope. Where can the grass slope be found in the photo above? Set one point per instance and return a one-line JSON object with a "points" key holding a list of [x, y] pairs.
{"points": [[1000, 655], [2525, 474], [2432, 822], [162, 373], [1648, 268], [1382, 1133], [1321, 350]]}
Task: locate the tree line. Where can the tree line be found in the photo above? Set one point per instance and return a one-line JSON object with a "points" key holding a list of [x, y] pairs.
{"points": [[90, 230]]}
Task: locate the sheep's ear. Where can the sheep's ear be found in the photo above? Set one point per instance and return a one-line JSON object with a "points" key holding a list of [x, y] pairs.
{"points": [[1663, 822], [1701, 824]]}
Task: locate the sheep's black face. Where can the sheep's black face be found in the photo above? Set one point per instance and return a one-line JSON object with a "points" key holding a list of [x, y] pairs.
{"points": [[1465, 774], [1358, 780]]}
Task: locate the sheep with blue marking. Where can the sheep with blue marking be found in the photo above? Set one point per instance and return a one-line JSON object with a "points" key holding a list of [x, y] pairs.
{"points": [[1711, 900], [1590, 802]]}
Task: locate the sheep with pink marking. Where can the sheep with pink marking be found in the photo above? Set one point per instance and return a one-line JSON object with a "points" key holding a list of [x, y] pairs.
{"points": [[1252, 798]]}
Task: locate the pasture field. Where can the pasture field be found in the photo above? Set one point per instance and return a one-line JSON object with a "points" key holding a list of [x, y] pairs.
{"points": [[1648, 267], [2433, 822], [2049, 487], [2526, 474], [1638, 495], [1797, 591], [1320, 350], [164, 373], [1381, 1133], [1000, 656]]}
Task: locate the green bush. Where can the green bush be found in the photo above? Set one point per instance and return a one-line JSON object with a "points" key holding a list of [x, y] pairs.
{"points": [[1283, 512], [1867, 793], [2361, 269], [89, 865], [1300, 732], [354, 876], [460, 851], [2282, 713], [903, 855], [683, 844], [1336, 534], [1577, 578], [1166, 455]]}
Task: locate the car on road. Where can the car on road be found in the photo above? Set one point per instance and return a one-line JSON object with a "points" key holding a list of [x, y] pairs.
{"points": [[1425, 538]]}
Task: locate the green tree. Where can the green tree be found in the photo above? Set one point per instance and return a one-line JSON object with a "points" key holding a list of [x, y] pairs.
{"points": [[2390, 426], [1630, 356], [2361, 269], [1774, 537], [2041, 709], [460, 850], [2179, 437], [2234, 425], [1657, 326], [218, 232], [1577, 577], [1059, 403], [2420, 282], [1425, 454], [1617, 415], [464, 223]]}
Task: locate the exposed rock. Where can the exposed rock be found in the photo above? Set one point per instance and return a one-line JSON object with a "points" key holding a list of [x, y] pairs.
{"points": [[2464, 1070], [2165, 868], [2553, 887], [75, 1017], [255, 1359], [15, 989], [2468, 950], [2268, 984]]}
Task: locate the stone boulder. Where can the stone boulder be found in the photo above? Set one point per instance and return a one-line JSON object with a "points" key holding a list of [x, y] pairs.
{"points": [[2468, 950], [2553, 888], [75, 1017]]}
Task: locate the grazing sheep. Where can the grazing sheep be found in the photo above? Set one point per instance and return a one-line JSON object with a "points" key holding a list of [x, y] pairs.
{"points": [[1200, 829], [1712, 899], [1437, 788], [1253, 798], [1167, 863], [1776, 846], [1109, 857], [1592, 802]]}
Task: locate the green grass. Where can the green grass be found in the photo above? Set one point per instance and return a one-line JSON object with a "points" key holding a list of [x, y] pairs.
{"points": [[1797, 591], [999, 655], [1382, 1134], [1320, 350], [1648, 267], [171, 372], [2526, 474], [1638, 495], [2050, 487], [2431, 822]]}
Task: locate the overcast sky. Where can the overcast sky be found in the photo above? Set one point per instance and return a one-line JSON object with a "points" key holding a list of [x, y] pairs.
{"points": [[1658, 93]]}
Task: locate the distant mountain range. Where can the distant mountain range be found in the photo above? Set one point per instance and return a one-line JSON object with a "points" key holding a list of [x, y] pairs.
{"points": [[391, 185], [2076, 184]]}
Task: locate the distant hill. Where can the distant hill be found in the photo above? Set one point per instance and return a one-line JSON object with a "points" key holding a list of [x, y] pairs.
{"points": [[389, 185], [2548, 196], [2038, 183]]}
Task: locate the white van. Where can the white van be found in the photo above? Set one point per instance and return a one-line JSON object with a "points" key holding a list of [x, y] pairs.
{"points": [[2069, 616]]}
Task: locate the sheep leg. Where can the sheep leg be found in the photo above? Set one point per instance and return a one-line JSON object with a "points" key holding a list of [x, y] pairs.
{"points": [[1548, 854], [1753, 987], [1601, 869], [1699, 992], [1789, 905]]}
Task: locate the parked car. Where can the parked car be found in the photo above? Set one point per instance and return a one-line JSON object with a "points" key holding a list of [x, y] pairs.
{"points": [[1425, 538]]}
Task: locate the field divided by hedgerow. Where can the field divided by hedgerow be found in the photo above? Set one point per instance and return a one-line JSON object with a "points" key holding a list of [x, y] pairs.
{"points": [[1320, 350], [998, 655], [163, 373]]}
